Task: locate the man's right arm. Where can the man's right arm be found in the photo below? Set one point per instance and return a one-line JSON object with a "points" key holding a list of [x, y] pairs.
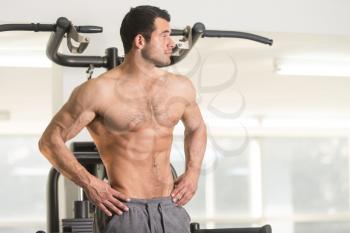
{"points": [[77, 113]]}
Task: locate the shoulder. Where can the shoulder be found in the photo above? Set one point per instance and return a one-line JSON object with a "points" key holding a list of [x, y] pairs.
{"points": [[91, 94], [99, 86], [181, 82], [183, 87]]}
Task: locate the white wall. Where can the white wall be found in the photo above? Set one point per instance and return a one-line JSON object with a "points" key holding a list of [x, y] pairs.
{"points": [[313, 16], [26, 93], [325, 16]]}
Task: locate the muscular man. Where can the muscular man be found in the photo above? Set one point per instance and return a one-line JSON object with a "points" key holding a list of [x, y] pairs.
{"points": [[130, 112]]}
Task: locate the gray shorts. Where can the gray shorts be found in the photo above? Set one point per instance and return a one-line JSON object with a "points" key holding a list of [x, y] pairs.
{"points": [[158, 215]]}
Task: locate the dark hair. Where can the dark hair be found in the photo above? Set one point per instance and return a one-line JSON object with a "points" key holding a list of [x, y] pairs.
{"points": [[140, 20]]}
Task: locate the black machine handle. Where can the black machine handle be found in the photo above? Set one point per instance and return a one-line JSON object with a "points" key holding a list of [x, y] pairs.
{"points": [[89, 29], [264, 229], [242, 35], [199, 28], [38, 27], [62, 27]]}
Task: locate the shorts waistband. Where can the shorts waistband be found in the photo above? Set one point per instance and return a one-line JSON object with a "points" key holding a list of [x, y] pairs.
{"points": [[158, 200]]}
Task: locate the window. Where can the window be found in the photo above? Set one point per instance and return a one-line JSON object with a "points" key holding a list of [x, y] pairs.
{"points": [[23, 185], [296, 184]]}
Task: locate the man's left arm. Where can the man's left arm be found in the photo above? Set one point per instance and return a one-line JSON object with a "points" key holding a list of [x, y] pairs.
{"points": [[195, 144]]}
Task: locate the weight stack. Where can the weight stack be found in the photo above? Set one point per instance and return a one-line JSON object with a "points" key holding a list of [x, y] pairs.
{"points": [[81, 223]]}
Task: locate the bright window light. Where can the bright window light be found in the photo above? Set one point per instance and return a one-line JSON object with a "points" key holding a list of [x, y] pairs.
{"points": [[307, 123], [312, 67], [35, 59]]}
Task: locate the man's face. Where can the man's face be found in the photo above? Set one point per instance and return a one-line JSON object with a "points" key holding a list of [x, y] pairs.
{"points": [[159, 48]]}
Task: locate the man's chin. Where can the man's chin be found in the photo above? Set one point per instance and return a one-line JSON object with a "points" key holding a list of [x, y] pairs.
{"points": [[163, 63]]}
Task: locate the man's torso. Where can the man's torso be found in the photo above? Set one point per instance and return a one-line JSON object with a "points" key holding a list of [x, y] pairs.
{"points": [[133, 132]]}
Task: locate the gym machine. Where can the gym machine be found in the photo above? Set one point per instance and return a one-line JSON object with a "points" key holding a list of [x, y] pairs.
{"points": [[64, 27], [86, 152]]}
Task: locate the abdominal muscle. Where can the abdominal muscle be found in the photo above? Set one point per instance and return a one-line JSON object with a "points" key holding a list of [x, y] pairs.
{"points": [[137, 162]]}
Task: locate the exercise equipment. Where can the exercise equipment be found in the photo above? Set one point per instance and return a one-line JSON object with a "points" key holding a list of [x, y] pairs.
{"points": [[86, 152], [64, 27]]}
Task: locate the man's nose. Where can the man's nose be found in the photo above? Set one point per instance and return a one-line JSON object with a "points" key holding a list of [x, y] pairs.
{"points": [[171, 43]]}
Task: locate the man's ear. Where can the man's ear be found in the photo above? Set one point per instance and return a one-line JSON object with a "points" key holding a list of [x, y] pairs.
{"points": [[139, 41]]}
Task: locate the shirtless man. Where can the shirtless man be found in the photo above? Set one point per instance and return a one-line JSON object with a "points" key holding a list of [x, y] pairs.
{"points": [[130, 112]]}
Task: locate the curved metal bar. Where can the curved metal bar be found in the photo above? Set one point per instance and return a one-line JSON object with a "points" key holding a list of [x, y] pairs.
{"points": [[36, 27], [54, 43], [264, 229], [53, 221], [235, 34], [198, 30]]}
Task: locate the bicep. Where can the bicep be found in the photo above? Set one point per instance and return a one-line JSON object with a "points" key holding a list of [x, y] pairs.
{"points": [[69, 122], [192, 118], [71, 118]]}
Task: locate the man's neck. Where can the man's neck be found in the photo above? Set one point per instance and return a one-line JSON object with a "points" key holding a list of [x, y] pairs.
{"points": [[137, 66]]}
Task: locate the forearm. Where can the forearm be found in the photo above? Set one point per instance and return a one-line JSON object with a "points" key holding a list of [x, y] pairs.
{"points": [[195, 144], [64, 161]]}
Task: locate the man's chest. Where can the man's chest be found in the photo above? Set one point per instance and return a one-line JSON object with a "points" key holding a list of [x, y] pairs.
{"points": [[128, 113]]}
